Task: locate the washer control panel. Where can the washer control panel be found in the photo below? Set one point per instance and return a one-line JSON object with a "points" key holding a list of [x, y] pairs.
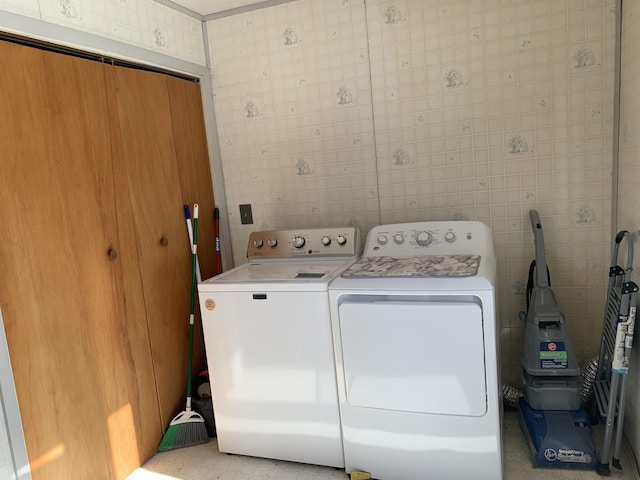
{"points": [[331, 243], [429, 238]]}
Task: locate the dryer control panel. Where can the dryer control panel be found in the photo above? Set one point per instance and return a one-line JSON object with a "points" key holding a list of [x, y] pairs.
{"points": [[429, 238], [335, 243]]}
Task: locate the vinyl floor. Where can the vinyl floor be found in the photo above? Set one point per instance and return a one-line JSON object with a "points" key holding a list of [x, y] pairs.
{"points": [[204, 462]]}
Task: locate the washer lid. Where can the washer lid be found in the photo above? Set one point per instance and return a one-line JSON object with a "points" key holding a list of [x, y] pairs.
{"points": [[277, 276]]}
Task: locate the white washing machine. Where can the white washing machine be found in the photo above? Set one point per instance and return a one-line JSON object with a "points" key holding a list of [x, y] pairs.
{"points": [[416, 345], [267, 333]]}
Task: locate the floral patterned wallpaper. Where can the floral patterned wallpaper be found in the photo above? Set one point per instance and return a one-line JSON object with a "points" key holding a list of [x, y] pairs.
{"points": [[353, 112], [293, 103], [381, 111], [143, 23], [629, 195]]}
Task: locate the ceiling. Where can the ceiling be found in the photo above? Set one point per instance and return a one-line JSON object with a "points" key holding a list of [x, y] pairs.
{"points": [[208, 7]]}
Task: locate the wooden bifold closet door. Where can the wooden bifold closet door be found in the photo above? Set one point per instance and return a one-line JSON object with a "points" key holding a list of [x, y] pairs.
{"points": [[160, 120], [94, 259]]}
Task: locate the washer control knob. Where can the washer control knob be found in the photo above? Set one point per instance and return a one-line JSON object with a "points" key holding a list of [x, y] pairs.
{"points": [[326, 240], [258, 243], [272, 242], [341, 239], [298, 241], [398, 238], [424, 238], [382, 239], [450, 237]]}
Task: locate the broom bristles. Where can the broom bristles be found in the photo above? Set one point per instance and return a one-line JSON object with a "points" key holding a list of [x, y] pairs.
{"points": [[185, 430]]}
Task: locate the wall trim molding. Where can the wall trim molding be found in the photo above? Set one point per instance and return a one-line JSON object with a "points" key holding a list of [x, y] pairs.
{"points": [[246, 8], [76, 39], [11, 411], [181, 9], [615, 163]]}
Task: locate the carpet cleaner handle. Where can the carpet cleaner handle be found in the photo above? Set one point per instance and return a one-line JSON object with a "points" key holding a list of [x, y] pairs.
{"points": [[541, 259]]}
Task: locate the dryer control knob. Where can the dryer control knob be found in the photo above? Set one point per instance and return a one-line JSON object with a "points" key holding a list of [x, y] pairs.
{"points": [[341, 239], [272, 242], [382, 239], [424, 239], [298, 241], [398, 238], [258, 243], [450, 237], [326, 240]]}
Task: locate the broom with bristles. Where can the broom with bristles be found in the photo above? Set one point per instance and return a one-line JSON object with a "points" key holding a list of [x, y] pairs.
{"points": [[188, 427]]}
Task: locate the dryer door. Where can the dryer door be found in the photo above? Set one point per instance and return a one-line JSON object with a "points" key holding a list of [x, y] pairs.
{"points": [[414, 356]]}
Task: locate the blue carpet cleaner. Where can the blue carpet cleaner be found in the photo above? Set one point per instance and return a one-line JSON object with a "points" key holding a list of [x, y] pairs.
{"points": [[557, 429]]}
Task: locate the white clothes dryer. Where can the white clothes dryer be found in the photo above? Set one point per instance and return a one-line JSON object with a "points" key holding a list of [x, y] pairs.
{"points": [[267, 333], [417, 358]]}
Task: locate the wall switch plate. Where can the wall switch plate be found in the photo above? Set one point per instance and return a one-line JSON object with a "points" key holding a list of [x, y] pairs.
{"points": [[246, 217]]}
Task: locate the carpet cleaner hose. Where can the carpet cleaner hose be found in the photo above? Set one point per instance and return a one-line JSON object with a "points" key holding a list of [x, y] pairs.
{"points": [[588, 379], [511, 394]]}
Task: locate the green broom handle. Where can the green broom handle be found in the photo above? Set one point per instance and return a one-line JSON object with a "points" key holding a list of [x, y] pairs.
{"points": [[192, 307]]}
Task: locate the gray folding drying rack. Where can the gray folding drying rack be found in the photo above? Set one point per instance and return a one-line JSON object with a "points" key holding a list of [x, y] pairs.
{"points": [[615, 349]]}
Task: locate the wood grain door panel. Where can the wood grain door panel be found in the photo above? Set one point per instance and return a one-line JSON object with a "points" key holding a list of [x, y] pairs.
{"points": [[146, 130], [80, 349], [190, 140]]}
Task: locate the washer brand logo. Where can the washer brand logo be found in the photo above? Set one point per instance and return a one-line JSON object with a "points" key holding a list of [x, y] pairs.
{"points": [[552, 346], [209, 304], [550, 454]]}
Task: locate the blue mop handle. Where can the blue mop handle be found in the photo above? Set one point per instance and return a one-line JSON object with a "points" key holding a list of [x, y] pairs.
{"points": [[187, 217], [192, 309]]}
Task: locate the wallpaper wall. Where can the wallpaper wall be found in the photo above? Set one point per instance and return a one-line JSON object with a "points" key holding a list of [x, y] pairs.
{"points": [[7, 469], [364, 112], [143, 23], [337, 112], [628, 181], [346, 112], [293, 105]]}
